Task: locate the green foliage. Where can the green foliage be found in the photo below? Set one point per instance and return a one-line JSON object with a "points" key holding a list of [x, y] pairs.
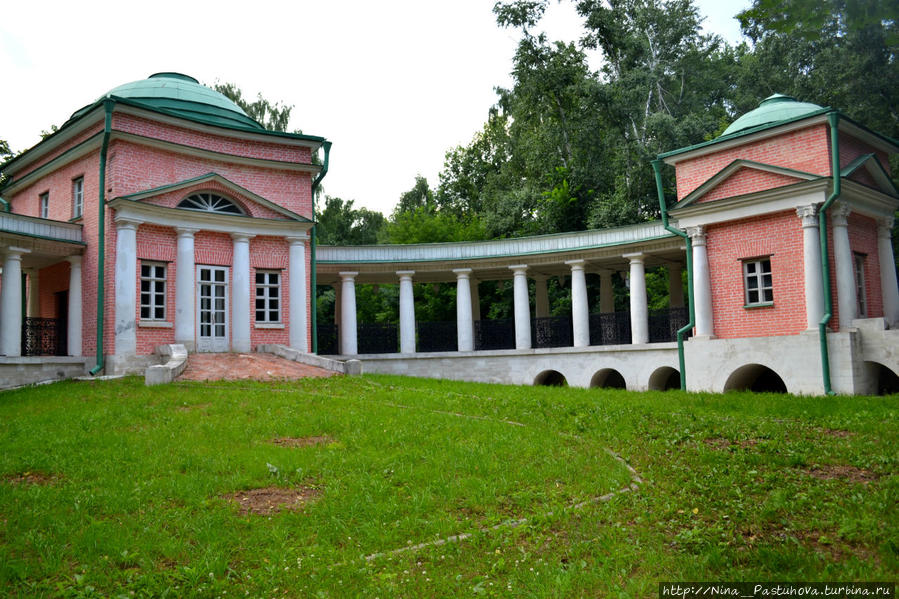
{"points": [[424, 225], [274, 116], [341, 224]]}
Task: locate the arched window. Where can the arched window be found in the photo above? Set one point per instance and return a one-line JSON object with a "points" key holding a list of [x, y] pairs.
{"points": [[210, 202]]}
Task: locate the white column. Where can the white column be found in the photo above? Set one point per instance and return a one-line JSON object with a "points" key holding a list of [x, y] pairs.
{"points": [[811, 253], [606, 292], [702, 284], [541, 299], [639, 308], [888, 284], [522, 307], [11, 303], [348, 340], [298, 335], [464, 315], [847, 299], [407, 312], [675, 287], [74, 330], [34, 297], [475, 299], [580, 309], [240, 293], [185, 290], [126, 287]]}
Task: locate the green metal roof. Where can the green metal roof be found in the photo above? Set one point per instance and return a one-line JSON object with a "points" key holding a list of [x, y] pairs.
{"points": [[773, 109], [184, 96]]}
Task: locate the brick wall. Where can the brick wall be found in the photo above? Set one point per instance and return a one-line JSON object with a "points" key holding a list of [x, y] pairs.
{"points": [[51, 280], [156, 244], [747, 180]]}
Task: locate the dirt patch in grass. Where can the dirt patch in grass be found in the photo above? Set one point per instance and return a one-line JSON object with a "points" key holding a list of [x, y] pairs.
{"points": [[842, 472], [31, 478], [303, 441], [720, 443], [839, 434], [198, 406], [269, 500]]}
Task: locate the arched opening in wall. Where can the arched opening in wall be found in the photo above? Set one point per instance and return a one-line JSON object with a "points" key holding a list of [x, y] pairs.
{"points": [[755, 378], [608, 378], [664, 379], [887, 381], [551, 378]]}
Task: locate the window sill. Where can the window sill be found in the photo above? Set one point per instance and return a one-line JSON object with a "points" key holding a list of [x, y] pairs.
{"points": [[76, 219], [756, 306], [269, 325], [154, 324]]}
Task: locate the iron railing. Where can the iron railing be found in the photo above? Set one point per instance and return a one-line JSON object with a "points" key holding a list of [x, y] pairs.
{"points": [[664, 324], [44, 337], [494, 334], [377, 338], [437, 335], [327, 339], [610, 328], [552, 331]]}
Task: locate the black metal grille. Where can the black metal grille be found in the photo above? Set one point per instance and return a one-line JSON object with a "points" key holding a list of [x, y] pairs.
{"points": [[494, 334], [327, 339], [438, 335], [552, 331], [664, 324], [377, 338], [43, 337], [610, 328]]}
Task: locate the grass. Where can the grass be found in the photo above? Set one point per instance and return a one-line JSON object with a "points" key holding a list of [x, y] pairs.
{"points": [[114, 489]]}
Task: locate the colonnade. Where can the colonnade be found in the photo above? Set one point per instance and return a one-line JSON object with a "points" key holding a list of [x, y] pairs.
{"points": [[468, 304]]}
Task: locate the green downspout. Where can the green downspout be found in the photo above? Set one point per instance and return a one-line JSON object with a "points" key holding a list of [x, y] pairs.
{"points": [[5, 205], [315, 184], [833, 119], [656, 167], [101, 235]]}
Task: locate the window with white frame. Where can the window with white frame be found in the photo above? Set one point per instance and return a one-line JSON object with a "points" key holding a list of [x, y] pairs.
{"points": [[45, 204], [757, 282], [152, 291], [268, 296], [77, 197], [860, 294]]}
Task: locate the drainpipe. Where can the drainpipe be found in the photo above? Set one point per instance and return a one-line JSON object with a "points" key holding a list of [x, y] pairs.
{"points": [[312, 242], [101, 235], [5, 205], [656, 167], [833, 119]]}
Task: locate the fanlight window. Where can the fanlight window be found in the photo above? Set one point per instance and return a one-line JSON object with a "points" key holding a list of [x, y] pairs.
{"points": [[210, 202]]}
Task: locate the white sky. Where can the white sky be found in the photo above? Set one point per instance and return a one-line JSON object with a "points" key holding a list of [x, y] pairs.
{"points": [[393, 84]]}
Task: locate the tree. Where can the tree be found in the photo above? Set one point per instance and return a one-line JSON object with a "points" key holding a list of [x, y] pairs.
{"points": [[274, 116], [420, 196], [341, 224]]}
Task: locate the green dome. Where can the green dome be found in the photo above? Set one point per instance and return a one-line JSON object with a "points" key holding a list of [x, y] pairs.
{"points": [[184, 96], [773, 109]]}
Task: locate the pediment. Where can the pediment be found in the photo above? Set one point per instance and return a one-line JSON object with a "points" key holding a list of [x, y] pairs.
{"points": [[742, 177], [867, 170], [253, 204]]}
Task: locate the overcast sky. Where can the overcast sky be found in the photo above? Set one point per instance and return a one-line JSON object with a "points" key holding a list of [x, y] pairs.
{"points": [[393, 84]]}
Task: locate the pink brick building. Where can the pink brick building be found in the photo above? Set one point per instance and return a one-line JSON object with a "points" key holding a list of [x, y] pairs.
{"points": [[159, 214]]}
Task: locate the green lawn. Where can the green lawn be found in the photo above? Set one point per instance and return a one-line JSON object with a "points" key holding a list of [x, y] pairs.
{"points": [[110, 488]]}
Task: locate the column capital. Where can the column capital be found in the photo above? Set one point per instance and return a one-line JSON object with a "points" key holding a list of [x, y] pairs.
{"points": [[697, 234], [15, 253], [186, 231], [576, 264], [239, 237], [405, 274], [808, 215], [127, 224], [519, 269], [462, 273], [74, 260], [635, 257], [296, 239], [839, 214], [348, 275], [885, 227]]}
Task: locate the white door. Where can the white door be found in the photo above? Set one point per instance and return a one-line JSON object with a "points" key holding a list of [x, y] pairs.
{"points": [[212, 308]]}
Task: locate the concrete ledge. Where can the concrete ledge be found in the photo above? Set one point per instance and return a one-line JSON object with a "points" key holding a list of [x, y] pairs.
{"points": [[350, 367], [27, 370], [160, 374]]}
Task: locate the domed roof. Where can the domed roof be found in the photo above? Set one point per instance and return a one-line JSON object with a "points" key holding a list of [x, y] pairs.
{"points": [[184, 96], [772, 110]]}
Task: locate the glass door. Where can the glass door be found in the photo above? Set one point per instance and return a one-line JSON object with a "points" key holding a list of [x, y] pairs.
{"points": [[212, 309]]}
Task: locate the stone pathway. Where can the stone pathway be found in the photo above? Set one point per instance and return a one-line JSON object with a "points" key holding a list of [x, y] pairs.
{"points": [[239, 367]]}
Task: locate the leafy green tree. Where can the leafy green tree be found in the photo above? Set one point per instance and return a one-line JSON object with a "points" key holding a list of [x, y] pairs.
{"points": [[341, 224], [420, 196], [274, 116]]}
